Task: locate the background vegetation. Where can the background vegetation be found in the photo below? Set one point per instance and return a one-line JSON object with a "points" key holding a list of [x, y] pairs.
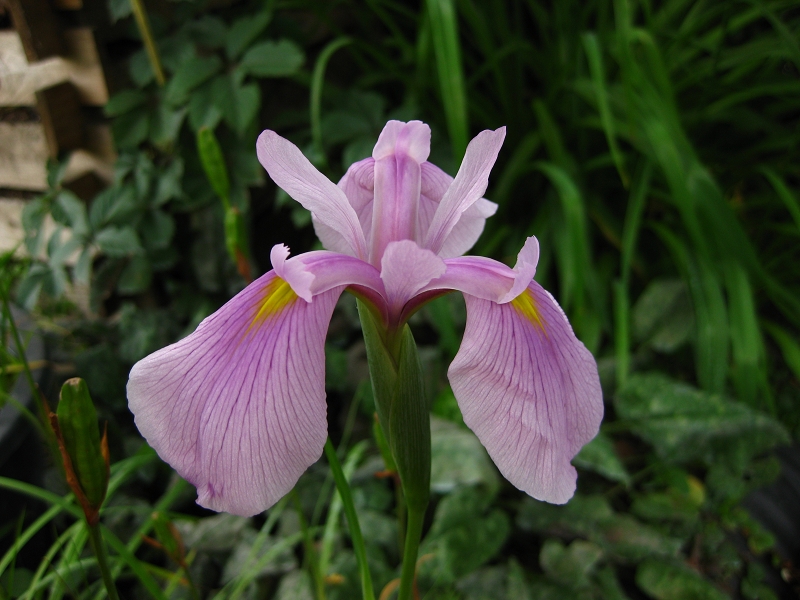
{"points": [[652, 148]]}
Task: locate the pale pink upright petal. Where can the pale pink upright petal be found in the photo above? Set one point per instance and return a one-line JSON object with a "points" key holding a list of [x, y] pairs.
{"points": [[412, 139], [238, 407], [357, 185], [293, 172], [529, 389], [400, 149], [469, 227], [468, 186], [405, 270]]}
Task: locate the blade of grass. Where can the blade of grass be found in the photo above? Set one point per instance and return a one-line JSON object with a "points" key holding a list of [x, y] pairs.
{"points": [[784, 193], [335, 508], [48, 558], [126, 557], [253, 564], [25, 536], [317, 83], [788, 345], [443, 21], [747, 344], [595, 57], [367, 590], [711, 315], [630, 231]]}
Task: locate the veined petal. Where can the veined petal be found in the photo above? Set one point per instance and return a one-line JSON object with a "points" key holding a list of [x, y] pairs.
{"points": [[468, 186], [358, 184], [313, 273], [405, 270], [489, 279], [238, 407], [529, 389], [469, 227], [293, 172]]}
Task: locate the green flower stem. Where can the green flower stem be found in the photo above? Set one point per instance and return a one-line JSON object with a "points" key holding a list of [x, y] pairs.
{"points": [[416, 517], [317, 81], [367, 591], [142, 22], [20, 346], [99, 549]]}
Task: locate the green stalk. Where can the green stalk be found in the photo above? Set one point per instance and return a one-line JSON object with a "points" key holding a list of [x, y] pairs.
{"points": [[317, 81], [416, 517], [20, 347], [367, 591], [99, 549], [143, 23]]}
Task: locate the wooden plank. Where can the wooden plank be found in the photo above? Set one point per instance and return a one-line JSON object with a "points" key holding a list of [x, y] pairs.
{"points": [[21, 79], [23, 156], [60, 111], [24, 153], [37, 27], [11, 233]]}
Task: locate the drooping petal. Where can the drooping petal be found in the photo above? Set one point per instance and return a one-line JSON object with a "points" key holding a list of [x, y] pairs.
{"points": [[405, 270], [400, 149], [529, 389], [468, 186], [293, 172], [238, 407], [489, 279], [469, 227]]}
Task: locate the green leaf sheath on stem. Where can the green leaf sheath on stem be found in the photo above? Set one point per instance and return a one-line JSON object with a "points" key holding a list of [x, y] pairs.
{"points": [[404, 416], [410, 426], [360, 549], [403, 411], [80, 435]]}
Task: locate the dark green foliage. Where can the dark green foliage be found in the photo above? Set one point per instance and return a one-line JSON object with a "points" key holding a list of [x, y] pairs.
{"points": [[651, 147]]}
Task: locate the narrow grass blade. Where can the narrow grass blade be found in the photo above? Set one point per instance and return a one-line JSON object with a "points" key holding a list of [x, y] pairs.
{"points": [[711, 315], [788, 344], [367, 590], [317, 83], [784, 193], [747, 346], [447, 50], [595, 57], [335, 507]]}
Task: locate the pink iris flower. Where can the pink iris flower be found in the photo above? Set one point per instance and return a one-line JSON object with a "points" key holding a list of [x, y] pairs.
{"points": [[238, 407]]}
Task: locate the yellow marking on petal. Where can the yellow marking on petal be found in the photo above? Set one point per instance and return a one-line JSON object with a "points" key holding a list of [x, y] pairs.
{"points": [[525, 304], [277, 296]]}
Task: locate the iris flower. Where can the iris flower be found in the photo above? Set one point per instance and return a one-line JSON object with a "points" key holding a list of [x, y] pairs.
{"points": [[238, 407]]}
